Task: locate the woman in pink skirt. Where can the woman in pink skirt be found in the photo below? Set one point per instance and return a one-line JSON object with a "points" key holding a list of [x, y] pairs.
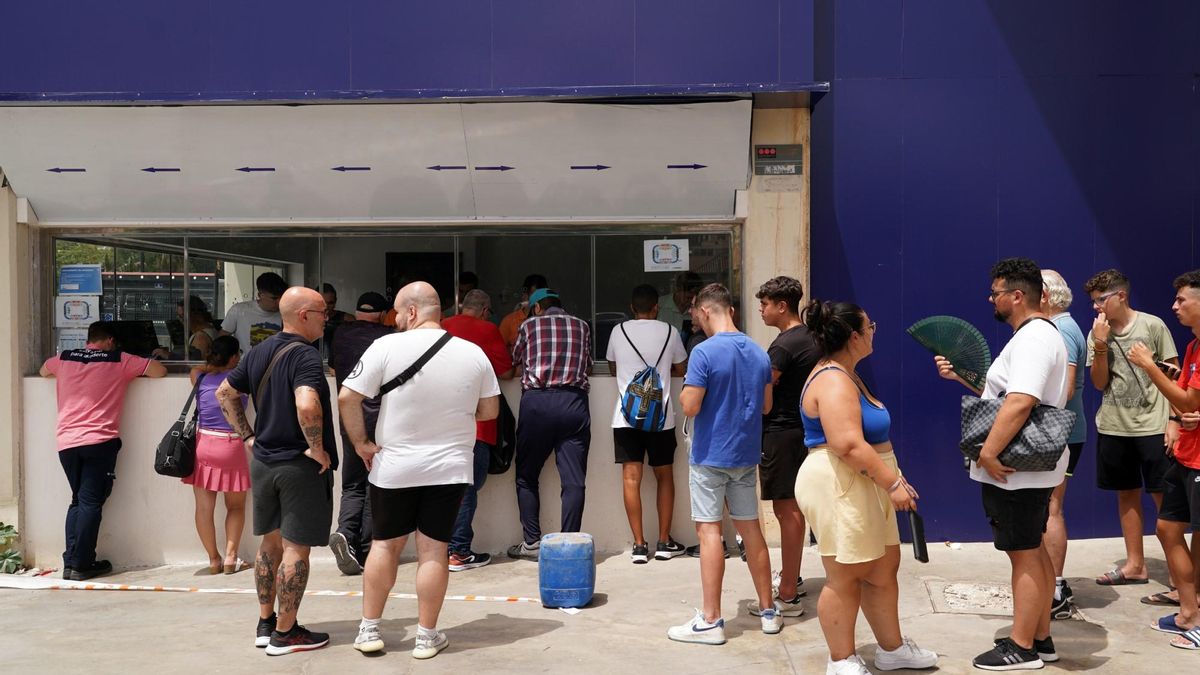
{"points": [[221, 464]]}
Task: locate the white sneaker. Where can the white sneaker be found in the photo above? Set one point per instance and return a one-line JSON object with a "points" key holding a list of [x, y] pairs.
{"points": [[699, 631], [777, 579], [851, 665], [368, 640], [791, 608], [907, 655], [772, 622], [427, 648]]}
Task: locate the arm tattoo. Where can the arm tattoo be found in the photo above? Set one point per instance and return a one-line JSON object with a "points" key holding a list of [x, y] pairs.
{"points": [[235, 414], [310, 420], [264, 579], [291, 586]]}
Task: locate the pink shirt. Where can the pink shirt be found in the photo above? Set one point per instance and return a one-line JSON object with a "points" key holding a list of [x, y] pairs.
{"points": [[91, 388]]}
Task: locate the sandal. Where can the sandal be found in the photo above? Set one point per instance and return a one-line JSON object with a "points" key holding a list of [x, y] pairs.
{"points": [[1161, 599], [1187, 640], [1167, 624], [1116, 577], [238, 565]]}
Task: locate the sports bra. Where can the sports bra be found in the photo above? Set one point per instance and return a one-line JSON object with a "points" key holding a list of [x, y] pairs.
{"points": [[876, 422]]}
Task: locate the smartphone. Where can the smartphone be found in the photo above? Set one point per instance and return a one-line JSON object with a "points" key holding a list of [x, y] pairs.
{"points": [[916, 527], [1170, 370]]}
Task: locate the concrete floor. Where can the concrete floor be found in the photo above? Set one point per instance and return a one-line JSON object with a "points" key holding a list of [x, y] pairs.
{"points": [[625, 627]]}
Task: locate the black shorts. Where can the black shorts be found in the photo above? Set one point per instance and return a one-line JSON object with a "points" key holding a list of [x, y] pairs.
{"points": [[632, 445], [1131, 462], [782, 454], [432, 509], [294, 498], [1181, 498], [1075, 450], [1018, 517]]}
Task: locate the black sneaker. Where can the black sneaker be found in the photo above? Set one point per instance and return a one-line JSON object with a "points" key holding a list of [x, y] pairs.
{"points": [[461, 562], [298, 639], [741, 548], [1062, 605], [640, 554], [668, 549], [262, 634], [344, 553], [1045, 649], [67, 573], [1008, 655], [98, 568], [694, 551]]}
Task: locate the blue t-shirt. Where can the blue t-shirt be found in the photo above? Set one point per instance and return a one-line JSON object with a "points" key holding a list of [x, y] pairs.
{"points": [[1076, 356], [733, 371]]}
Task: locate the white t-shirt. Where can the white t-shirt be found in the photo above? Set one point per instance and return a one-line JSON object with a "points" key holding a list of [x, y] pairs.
{"points": [[426, 428], [251, 324], [648, 335], [1034, 362]]}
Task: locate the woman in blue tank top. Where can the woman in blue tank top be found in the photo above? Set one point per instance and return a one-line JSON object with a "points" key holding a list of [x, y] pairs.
{"points": [[849, 489]]}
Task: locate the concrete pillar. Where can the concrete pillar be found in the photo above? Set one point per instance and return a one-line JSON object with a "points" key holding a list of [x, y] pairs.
{"points": [[15, 276], [775, 239]]}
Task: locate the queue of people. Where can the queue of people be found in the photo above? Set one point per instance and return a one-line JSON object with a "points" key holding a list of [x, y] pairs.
{"points": [[794, 424]]}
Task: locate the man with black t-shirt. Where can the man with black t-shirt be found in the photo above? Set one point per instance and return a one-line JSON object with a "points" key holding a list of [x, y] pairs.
{"points": [[793, 355], [289, 473]]}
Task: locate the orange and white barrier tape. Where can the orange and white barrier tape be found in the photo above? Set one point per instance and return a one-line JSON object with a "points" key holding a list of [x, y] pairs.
{"points": [[42, 584]]}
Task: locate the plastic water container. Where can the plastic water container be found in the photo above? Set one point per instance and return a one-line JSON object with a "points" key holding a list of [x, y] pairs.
{"points": [[567, 569]]}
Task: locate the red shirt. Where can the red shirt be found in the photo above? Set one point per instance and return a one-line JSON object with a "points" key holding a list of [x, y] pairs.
{"points": [[1187, 450], [486, 335], [91, 388]]}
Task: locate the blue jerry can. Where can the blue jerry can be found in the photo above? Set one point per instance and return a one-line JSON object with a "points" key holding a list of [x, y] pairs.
{"points": [[567, 569]]}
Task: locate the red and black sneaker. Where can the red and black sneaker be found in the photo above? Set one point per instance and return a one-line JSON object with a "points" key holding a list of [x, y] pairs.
{"points": [[298, 639]]}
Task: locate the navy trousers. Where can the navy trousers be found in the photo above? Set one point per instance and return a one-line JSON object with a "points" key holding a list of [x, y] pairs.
{"points": [[354, 514], [557, 420], [91, 470]]}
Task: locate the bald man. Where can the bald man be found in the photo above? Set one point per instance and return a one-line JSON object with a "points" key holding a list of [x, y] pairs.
{"points": [[293, 454], [422, 459]]}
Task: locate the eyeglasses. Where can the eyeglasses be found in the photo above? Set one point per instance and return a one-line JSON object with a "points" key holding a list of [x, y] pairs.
{"points": [[995, 294], [872, 326], [320, 311], [1099, 301]]}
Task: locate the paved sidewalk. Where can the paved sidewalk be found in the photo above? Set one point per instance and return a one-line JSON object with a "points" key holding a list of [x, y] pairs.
{"points": [[953, 605]]}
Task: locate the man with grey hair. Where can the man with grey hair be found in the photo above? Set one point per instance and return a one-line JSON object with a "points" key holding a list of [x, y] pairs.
{"points": [[471, 324], [1056, 298]]}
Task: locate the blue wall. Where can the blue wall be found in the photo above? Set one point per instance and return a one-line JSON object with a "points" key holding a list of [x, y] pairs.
{"points": [[958, 133], [317, 50]]}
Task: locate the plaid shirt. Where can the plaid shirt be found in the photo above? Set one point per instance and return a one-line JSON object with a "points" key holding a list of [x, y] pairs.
{"points": [[555, 350]]}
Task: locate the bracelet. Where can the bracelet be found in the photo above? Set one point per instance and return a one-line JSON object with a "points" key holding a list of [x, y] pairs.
{"points": [[898, 483], [247, 437]]}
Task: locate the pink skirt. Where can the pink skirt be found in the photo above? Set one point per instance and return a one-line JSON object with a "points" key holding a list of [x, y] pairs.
{"points": [[221, 464]]}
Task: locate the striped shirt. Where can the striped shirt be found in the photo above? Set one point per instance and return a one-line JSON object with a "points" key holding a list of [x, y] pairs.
{"points": [[555, 350]]}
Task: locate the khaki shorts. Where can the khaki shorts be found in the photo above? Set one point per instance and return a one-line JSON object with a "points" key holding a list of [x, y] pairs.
{"points": [[852, 518]]}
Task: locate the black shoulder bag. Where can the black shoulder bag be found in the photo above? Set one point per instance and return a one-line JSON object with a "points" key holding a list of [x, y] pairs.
{"points": [[176, 452], [416, 367]]}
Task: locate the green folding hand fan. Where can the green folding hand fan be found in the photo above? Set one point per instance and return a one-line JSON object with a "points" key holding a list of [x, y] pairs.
{"points": [[961, 343]]}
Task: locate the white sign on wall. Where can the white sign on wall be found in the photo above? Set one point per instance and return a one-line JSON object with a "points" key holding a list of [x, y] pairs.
{"points": [[76, 311], [665, 255], [71, 338]]}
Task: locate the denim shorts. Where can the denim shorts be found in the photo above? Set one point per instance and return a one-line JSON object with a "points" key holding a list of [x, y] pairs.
{"points": [[713, 486]]}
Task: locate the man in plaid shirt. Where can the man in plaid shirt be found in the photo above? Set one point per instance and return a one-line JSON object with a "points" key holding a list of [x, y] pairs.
{"points": [[554, 352]]}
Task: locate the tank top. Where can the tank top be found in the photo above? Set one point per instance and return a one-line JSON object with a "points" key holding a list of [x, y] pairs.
{"points": [[876, 421], [210, 408]]}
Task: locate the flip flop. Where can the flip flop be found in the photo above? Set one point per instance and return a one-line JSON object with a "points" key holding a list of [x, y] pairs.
{"points": [[1116, 577], [1161, 599], [1167, 625], [1187, 640], [238, 565]]}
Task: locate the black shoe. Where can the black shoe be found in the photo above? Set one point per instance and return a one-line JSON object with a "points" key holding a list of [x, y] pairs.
{"points": [[1062, 605], [694, 551], [1008, 655], [262, 634], [67, 571], [1045, 649], [640, 554], [98, 569], [344, 554], [669, 549], [298, 639], [741, 548]]}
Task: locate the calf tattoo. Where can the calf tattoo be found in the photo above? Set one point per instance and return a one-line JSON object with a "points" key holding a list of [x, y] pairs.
{"points": [[291, 586], [264, 579]]}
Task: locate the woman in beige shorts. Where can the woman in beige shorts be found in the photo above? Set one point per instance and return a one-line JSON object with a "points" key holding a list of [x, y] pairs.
{"points": [[849, 489]]}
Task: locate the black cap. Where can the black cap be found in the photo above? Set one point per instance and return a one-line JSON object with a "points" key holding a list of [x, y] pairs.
{"points": [[372, 302]]}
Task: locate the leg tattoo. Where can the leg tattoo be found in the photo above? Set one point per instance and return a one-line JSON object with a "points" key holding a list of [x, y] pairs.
{"points": [[291, 586], [264, 579]]}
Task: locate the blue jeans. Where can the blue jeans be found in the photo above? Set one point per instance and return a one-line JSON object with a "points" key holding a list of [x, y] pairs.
{"points": [[460, 541], [91, 470]]}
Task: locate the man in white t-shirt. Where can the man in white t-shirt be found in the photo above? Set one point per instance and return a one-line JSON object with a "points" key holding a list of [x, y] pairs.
{"points": [[422, 459], [1030, 370], [253, 321], [631, 348]]}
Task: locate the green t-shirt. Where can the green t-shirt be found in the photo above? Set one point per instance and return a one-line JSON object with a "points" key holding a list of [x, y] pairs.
{"points": [[1132, 405]]}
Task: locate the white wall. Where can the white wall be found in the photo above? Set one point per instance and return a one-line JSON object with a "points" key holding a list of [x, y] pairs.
{"points": [[148, 519]]}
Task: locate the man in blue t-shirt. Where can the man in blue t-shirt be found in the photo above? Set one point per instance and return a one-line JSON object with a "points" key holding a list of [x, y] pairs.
{"points": [[727, 390]]}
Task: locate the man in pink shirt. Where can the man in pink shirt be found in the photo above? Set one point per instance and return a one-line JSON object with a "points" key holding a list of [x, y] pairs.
{"points": [[91, 384]]}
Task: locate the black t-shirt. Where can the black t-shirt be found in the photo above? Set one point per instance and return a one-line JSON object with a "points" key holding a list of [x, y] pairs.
{"points": [[793, 354], [277, 434], [351, 339]]}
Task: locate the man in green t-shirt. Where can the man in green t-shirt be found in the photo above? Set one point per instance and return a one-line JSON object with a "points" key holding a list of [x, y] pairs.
{"points": [[1132, 420]]}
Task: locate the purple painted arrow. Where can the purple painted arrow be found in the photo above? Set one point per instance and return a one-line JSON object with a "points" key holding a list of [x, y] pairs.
{"points": [[248, 169], [592, 167], [60, 170], [495, 168], [351, 168], [687, 166], [155, 169], [440, 167]]}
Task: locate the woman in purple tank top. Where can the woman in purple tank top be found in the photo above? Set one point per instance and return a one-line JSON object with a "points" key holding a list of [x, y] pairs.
{"points": [[221, 464]]}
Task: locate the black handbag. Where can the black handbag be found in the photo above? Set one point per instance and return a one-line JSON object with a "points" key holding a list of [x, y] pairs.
{"points": [[506, 440], [1037, 446], [176, 453]]}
